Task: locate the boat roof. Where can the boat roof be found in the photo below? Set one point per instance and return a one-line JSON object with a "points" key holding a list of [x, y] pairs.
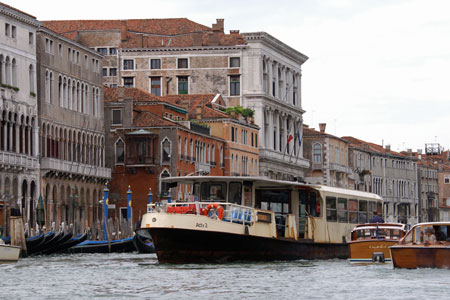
{"points": [[380, 226], [267, 182], [447, 223]]}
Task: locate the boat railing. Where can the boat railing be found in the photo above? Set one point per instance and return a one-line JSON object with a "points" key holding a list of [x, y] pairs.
{"points": [[232, 212]]}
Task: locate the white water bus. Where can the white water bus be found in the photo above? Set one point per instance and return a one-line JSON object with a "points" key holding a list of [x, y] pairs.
{"points": [[231, 218]]}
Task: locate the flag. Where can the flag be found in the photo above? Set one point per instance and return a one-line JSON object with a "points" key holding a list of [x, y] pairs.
{"points": [[290, 138], [299, 138]]}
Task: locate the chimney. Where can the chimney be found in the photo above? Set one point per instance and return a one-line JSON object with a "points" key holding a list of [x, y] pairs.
{"points": [[388, 147], [213, 39], [145, 41], [197, 38], [198, 112], [123, 30], [218, 26], [419, 151], [234, 32], [139, 38], [322, 127]]}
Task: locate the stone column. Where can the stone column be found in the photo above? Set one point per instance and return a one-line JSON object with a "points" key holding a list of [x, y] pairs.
{"points": [[271, 129]]}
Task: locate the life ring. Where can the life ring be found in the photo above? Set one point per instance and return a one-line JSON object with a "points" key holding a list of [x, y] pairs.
{"points": [[218, 210]]}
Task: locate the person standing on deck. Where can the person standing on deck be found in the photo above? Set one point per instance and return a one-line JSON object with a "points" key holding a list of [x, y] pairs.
{"points": [[376, 218]]}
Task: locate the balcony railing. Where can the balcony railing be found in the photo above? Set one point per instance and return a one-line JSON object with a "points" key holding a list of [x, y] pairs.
{"points": [[202, 167], [18, 160], [74, 168]]}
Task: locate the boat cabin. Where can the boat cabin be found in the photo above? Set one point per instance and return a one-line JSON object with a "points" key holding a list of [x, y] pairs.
{"points": [[428, 233], [387, 231], [300, 211]]}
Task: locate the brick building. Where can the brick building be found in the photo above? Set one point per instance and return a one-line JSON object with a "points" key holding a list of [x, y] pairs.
{"points": [[152, 138], [178, 56]]}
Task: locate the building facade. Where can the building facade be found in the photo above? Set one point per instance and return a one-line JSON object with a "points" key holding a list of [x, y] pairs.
{"points": [[328, 155], [19, 153], [71, 131], [393, 176], [178, 56]]}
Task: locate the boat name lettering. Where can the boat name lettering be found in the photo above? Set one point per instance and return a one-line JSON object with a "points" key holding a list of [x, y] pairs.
{"points": [[201, 225], [377, 247]]}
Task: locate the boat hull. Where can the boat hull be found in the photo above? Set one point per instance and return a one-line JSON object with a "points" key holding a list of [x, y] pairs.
{"points": [[420, 256], [369, 251], [196, 246], [9, 253]]}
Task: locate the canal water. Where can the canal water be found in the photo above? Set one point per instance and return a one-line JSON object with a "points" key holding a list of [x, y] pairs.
{"points": [[139, 276]]}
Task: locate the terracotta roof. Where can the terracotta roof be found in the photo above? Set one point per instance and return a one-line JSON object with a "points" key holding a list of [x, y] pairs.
{"points": [[312, 132], [210, 113], [138, 95], [370, 146], [152, 33], [145, 118]]}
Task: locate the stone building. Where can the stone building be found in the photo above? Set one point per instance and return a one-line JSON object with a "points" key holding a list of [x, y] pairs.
{"points": [[71, 131], [152, 138], [444, 193], [393, 176], [328, 155], [178, 56], [428, 188], [19, 153]]}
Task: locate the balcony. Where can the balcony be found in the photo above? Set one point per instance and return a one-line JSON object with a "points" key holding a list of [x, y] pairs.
{"points": [[316, 166], [340, 168], [18, 161], [202, 167], [64, 166]]}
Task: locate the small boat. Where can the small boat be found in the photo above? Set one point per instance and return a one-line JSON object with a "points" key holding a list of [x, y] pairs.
{"points": [[143, 242], [48, 237], [9, 253], [66, 236], [64, 246], [370, 242], [245, 218], [426, 245], [34, 241], [89, 246]]}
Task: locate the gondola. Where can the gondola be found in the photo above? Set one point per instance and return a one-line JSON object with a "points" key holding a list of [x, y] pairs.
{"points": [[143, 243], [48, 237], [57, 243], [64, 246], [89, 246], [34, 241]]}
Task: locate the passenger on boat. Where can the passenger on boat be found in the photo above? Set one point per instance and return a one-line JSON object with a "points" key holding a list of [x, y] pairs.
{"points": [[429, 236], [376, 218], [440, 235]]}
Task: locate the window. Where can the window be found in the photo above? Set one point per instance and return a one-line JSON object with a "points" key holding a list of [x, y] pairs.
{"points": [[232, 135], [317, 153], [166, 150], [7, 29], [113, 72], [155, 85], [105, 71], [183, 87], [30, 38], [116, 116], [49, 46], [112, 51], [128, 82], [128, 64], [182, 63], [235, 193], [102, 51], [13, 31], [362, 211], [342, 212], [235, 62], [155, 64], [164, 191], [447, 179], [120, 152], [353, 210], [331, 209], [235, 85]]}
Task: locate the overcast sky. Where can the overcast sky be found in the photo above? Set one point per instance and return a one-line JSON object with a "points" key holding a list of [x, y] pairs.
{"points": [[378, 70]]}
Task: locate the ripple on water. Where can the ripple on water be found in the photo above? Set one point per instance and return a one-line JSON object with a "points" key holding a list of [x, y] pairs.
{"points": [[140, 276]]}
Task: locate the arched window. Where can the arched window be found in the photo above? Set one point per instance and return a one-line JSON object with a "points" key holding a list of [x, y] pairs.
{"points": [[31, 78], [164, 186], [317, 153], [47, 86], [213, 154], [191, 144], [60, 91], [13, 72], [8, 71], [185, 148], [120, 152], [179, 147], [166, 150], [221, 157]]}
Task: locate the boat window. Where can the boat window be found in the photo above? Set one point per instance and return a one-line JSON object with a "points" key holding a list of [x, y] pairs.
{"points": [[342, 213], [213, 191], [235, 193], [372, 208], [418, 236], [314, 205], [353, 210], [331, 209], [196, 190], [409, 237], [442, 233], [396, 233], [362, 211]]}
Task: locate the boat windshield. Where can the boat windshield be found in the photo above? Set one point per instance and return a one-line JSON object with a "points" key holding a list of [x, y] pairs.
{"points": [[213, 191]]}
